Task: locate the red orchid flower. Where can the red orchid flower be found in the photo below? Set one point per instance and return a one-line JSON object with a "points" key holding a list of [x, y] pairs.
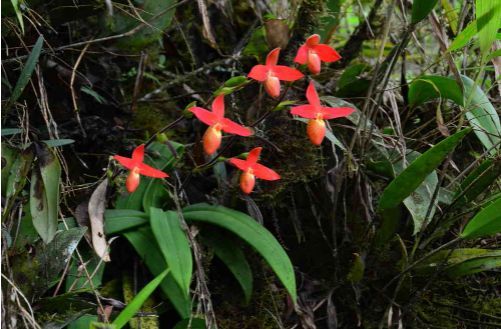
{"points": [[313, 53], [217, 122], [251, 169], [137, 167], [271, 73], [317, 114]]}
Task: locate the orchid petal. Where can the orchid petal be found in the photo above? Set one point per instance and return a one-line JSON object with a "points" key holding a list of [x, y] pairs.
{"points": [[138, 154], [254, 155], [336, 112], [218, 106], [126, 162], [146, 170], [240, 164], [313, 40], [272, 58], [302, 55], [307, 111], [327, 53], [264, 172], [312, 95], [232, 127], [207, 117], [286, 73], [259, 72]]}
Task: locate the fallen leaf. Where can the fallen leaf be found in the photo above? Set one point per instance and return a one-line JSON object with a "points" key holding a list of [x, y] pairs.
{"points": [[97, 204]]}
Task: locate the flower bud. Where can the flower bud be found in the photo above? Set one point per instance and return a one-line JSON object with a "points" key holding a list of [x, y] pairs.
{"points": [[316, 130], [212, 139], [247, 182]]}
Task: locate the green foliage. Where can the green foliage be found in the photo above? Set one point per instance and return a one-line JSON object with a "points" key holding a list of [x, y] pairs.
{"points": [[430, 87], [25, 75], [421, 9], [487, 24], [478, 181], [461, 262], [131, 309], [407, 182], [464, 37], [486, 222], [174, 246], [44, 193], [251, 232]]}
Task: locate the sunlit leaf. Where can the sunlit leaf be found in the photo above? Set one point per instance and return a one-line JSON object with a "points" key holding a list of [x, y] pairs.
{"points": [[486, 222], [134, 306], [487, 23]]}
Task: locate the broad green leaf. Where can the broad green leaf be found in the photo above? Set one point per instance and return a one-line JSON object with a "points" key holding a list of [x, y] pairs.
{"points": [[430, 87], [419, 201], [174, 246], [410, 179], [478, 181], [118, 220], [53, 257], [234, 258], [351, 84], [145, 245], [251, 232], [482, 116], [487, 27], [44, 193], [421, 9], [462, 261], [464, 37], [486, 222], [25, 75], [131, 308]]}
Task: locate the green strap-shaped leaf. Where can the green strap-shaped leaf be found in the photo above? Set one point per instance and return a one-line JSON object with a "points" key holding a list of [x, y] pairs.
{"points": [[478, 181], [143, 241], [118, 220], [488, 14], [234, 258], [44, 193], [421, 9], [253, 233], [405, 183], [486, 222], [482, 116], [464, 37], [131, 309], [27, 71], [174, 246], [462, 261]]}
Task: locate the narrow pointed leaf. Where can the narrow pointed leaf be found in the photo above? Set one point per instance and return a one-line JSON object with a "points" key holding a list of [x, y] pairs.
{"points": [[410, 179], [488, 14], [134, 306], [145, 245], [421, 9]]}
